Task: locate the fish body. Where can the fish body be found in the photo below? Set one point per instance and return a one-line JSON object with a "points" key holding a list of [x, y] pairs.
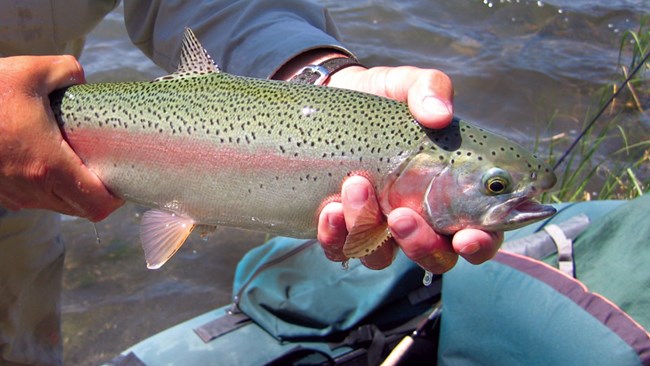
{"points": [[203, 147]]}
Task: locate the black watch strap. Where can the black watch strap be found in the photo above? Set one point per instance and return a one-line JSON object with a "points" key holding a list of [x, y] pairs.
{"points": [[318, 74]]}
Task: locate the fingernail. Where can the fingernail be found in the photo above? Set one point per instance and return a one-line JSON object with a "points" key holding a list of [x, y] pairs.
{"points": [[403, 227], [470, 248], [335, 221], [357, 195], [436, 107]]}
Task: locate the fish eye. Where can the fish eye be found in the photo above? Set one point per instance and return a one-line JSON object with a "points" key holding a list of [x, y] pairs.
{"points": [[496, 181]]}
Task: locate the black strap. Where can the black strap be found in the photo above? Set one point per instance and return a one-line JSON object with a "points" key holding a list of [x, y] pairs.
{"points": [[221, 326], [302, 356], [368, 333], [318, 74]]}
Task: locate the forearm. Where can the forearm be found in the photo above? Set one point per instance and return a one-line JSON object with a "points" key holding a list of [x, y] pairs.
{"points": [[254, 38]]}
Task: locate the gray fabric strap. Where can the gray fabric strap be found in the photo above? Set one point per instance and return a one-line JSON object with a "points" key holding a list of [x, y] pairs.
{"points": [[540, 245], [564, 249], [555, 238], [221, 325]]}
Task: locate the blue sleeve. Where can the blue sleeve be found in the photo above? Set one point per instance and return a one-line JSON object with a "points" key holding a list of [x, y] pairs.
{"points": [[252, 38]]}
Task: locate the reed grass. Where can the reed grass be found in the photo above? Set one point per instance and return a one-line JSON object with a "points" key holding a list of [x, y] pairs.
{"points": [[592, 171]]}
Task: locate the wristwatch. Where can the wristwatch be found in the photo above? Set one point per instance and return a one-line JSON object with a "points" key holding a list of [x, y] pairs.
{"points": [[319, 74]]}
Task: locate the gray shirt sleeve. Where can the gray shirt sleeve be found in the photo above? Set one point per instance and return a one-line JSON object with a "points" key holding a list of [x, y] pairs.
{"points": [[253, 38]]}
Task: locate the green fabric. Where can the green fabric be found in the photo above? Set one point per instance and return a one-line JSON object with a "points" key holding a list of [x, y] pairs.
{"points": [[305, 295], [497, 315], [494, 314], [249, 345], [613, 258]]}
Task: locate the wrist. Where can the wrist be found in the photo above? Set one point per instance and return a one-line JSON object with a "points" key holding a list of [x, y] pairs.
{"points": [[316, 66]]}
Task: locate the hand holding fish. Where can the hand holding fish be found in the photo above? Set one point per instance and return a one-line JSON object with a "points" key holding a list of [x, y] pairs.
{"points": [[429, 95], [38, 169]]}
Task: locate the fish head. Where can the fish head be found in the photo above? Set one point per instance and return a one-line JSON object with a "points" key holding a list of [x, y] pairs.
{"points": [[471, 178], [488, 182]]}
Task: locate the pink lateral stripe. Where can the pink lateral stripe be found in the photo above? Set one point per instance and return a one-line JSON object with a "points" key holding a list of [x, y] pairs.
{"points": [[184, 153]]}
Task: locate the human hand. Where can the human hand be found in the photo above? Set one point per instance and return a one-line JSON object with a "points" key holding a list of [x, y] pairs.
{"points": [[429, 96], [38, 169]]}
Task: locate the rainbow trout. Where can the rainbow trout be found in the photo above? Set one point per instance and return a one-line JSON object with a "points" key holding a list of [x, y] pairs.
{"points": [[202, 147]]}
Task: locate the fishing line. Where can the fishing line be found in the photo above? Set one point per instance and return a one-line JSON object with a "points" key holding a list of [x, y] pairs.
{"points": [[96, 234], [602, 109]]}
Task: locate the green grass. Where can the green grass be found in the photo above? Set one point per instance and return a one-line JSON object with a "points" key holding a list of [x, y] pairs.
{"points": [[612, 161]]}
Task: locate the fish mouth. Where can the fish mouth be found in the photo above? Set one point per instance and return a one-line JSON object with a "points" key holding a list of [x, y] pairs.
{"points": [[516, 212]]}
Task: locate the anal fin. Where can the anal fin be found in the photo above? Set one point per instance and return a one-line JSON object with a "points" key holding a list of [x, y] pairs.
{"points": [[162, 234], [369, 232]]}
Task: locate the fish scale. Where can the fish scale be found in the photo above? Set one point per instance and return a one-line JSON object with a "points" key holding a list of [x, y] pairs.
{"points": [[203, 147], [295, 124]]}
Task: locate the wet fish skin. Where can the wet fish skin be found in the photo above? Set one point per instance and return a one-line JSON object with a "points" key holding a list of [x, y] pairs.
{"points": [[204, 147]]}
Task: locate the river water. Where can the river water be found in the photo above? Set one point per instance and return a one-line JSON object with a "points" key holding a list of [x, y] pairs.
{"points": [[516, 66]]}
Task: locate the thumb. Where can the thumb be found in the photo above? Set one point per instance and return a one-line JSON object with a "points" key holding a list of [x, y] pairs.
{"points": [[430, 99], [56, 72]]}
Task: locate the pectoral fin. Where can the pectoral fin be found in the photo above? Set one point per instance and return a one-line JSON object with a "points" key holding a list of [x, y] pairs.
{"points": [[162, 233], [369, 232]]}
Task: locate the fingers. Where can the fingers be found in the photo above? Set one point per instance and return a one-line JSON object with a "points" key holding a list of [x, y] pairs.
{"points": [[332, 231], [477, 246], [382, 257], [410, 231], [80, 188], [355, 192], [420, 242], [337, 218]]}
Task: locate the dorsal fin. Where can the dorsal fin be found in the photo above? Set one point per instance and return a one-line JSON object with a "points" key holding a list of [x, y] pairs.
{"points": [[194, 58]]}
